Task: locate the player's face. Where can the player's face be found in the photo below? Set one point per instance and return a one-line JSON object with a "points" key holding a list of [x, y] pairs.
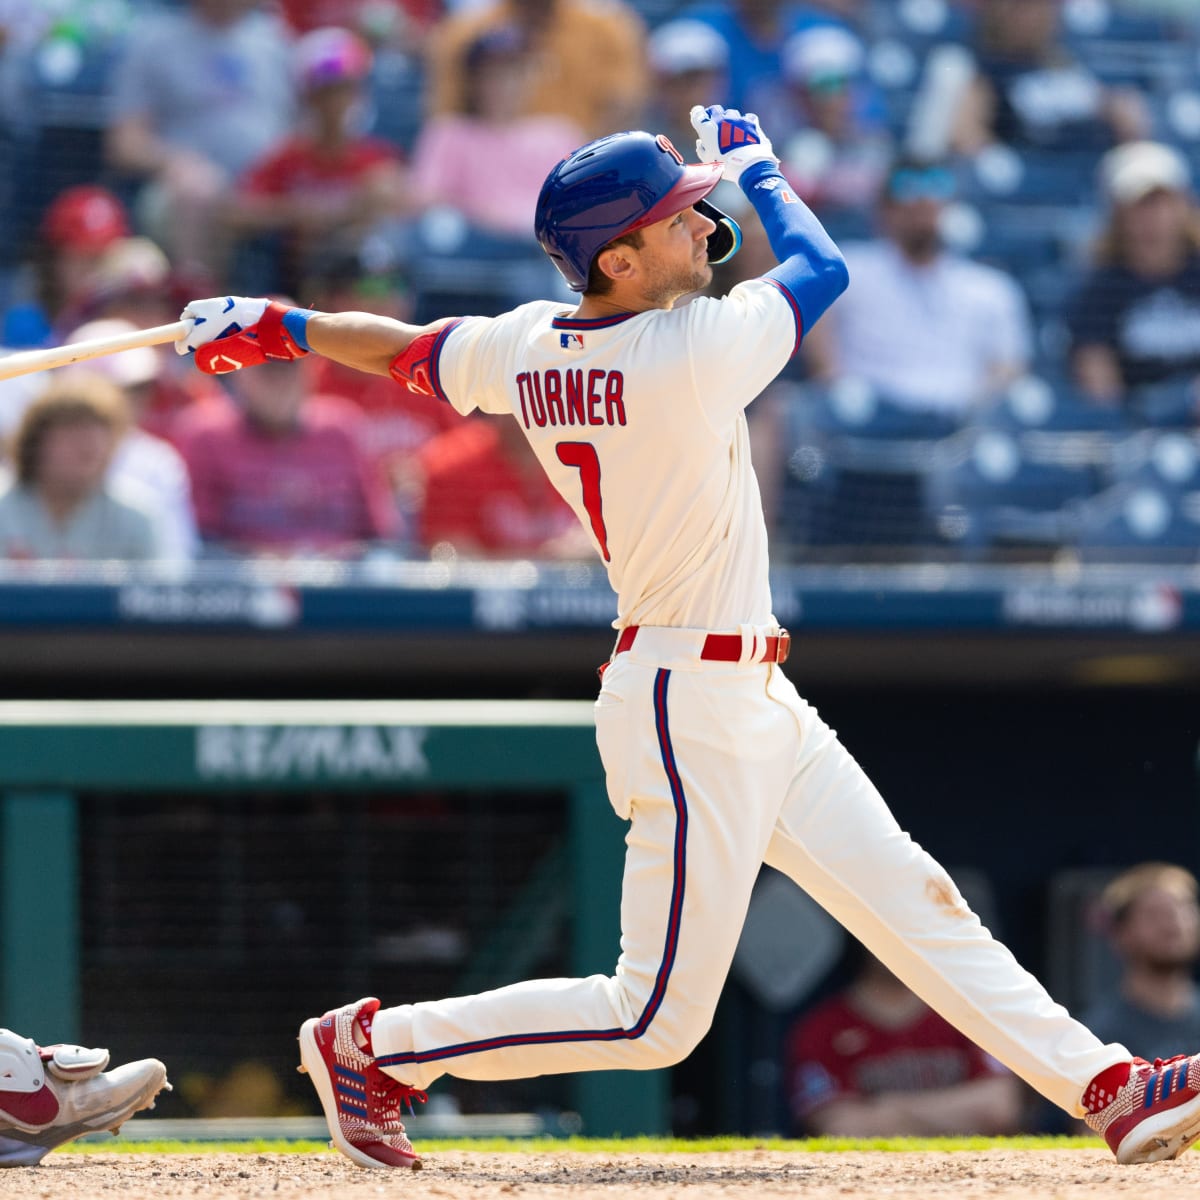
{"points": [[674, 257]]}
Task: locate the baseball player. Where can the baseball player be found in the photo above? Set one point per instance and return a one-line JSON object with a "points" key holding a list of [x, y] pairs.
{"points": [[636, 410]]}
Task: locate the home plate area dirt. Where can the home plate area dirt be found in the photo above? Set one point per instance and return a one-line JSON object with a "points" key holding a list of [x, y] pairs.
{"points": [[995, 1174]]}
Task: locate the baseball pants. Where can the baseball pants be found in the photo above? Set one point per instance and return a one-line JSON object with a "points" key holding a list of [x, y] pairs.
{"points": [[719, 767]]}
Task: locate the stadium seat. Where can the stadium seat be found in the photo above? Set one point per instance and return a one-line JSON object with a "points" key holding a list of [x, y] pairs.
{"points": [[1139, 522], [1034, 402], [1170, 461], [987, 494]]}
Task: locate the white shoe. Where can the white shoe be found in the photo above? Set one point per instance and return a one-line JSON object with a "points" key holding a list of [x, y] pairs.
{"points": [[54, 1094]]}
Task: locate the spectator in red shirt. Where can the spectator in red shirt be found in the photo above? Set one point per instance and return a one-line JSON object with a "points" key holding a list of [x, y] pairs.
{"points": [[876, 1061], [282, 471], [327, 182], [486, 495]]}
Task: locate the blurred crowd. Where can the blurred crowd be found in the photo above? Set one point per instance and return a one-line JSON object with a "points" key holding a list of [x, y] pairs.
{"points": [[1014, 371]]}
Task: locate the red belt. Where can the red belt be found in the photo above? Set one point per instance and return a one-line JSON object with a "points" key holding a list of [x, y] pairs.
{"points": [[722, 647]]}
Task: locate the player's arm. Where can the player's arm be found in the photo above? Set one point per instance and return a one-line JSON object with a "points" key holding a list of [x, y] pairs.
{"points": [[227, 333], [811, 267]]}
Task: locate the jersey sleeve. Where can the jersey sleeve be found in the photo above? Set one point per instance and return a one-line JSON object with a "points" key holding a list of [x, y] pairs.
{"points": [[738, 344], [467, 365]]}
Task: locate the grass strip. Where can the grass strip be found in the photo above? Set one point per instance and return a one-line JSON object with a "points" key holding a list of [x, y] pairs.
{"points": [[632, 1145]]}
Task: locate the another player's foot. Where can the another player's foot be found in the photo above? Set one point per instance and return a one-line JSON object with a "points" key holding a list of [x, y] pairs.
{"points": [[58, 1093], [362, 1103], [1153, 1114]]}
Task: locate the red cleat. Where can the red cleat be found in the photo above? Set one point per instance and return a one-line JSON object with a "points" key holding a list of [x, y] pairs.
{"points": [[1154, 1115], [362, 1104]]}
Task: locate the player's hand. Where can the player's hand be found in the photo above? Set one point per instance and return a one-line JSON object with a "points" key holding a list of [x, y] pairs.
{"points": [[727, 136], [227, 333]]}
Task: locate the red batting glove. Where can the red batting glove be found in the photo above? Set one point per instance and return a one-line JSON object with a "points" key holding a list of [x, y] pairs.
{"points": [[267, 341]]}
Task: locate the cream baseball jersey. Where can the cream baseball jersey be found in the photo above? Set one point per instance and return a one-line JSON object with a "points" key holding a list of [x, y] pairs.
{"points": [[605, 402]]}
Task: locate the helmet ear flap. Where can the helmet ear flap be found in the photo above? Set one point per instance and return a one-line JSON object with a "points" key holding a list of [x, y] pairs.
{"points": [[724, 241]]}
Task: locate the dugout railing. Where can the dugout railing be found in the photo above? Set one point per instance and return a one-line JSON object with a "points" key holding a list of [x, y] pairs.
{"points": [[52, 752]]}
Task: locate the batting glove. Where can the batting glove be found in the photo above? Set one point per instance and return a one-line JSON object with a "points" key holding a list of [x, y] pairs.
{"points": [[228, 333], [727, 136]]}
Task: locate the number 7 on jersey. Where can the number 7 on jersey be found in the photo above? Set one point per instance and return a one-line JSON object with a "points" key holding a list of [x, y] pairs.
{"points": [[582, 456]]}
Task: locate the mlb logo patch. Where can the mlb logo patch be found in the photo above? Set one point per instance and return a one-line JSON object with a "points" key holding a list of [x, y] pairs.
{"points": [[570, 341]]}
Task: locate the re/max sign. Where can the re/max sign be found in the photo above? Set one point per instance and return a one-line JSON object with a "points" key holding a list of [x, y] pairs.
{"points": [[274, 752]]}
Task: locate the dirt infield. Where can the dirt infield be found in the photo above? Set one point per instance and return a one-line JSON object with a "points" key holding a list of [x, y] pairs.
{"points": [[995, 1174]]}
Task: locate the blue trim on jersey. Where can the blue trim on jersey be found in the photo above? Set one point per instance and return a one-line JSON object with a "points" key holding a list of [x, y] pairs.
{"points": [[797, 316], [811, 268], [435, 375], [671, 941], [590, 322]]}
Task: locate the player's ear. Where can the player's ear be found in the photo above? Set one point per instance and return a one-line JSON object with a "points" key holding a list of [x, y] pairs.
{"points": [[617, 262]]}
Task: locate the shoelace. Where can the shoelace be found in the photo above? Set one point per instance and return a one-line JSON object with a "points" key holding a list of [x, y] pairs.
{"points": [[389, 1096]]}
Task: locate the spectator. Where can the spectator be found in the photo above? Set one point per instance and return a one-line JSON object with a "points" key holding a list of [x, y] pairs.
{"points": [[755, 32], [377, 20], [1028, 92], [149, 462], [486, 495], [688, 59], [586, 64], [488, 161], [75, 233], [876, 1061], [924, 327], [398, 421], [1136, 320], [201, 93], [1152, 919], [60, 504], [79, 228], [132, 282], [326, 182], [839, 159], [282, 472]]}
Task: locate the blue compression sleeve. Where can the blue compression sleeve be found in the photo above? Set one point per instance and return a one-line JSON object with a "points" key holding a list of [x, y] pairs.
{"points": [[811, 267]]}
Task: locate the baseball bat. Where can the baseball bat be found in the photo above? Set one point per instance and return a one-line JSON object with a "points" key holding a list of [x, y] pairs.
{"points": [[28, 361]]}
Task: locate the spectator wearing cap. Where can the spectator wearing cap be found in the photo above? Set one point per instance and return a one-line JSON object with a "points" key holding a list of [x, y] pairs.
{"points": [[688, 59], [839, 156], [76, 235], [326, 181], [587, 59], [61, 504], [150, 463], [1135, 322], [201, 92], [77, 230], [925, 328], [1029, 92], [398, 422], [489, 160]]}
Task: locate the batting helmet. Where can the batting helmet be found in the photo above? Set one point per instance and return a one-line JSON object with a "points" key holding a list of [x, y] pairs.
{"points": [[615, 185]]}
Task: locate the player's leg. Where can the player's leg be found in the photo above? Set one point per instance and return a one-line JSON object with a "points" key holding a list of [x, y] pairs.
{"points": [[701, 795], [700, 818], [837, 838]]}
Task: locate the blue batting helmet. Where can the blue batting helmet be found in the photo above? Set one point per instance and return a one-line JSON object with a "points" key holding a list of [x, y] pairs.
{"points": [[615, 185]]}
